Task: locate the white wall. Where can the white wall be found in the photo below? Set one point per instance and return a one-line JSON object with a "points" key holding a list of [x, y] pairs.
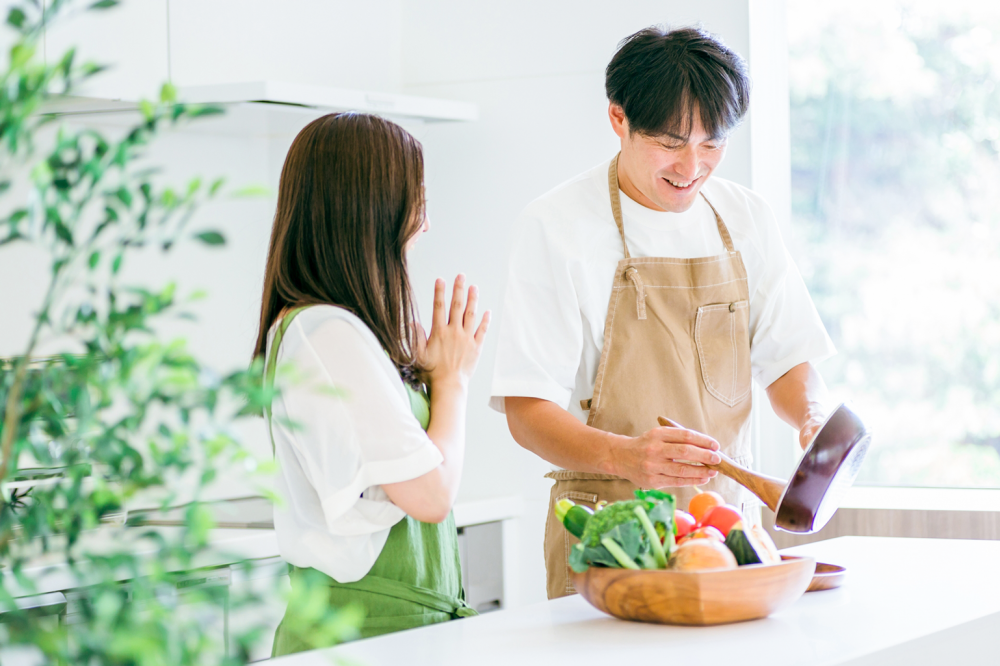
{"points": [[334, 43]]}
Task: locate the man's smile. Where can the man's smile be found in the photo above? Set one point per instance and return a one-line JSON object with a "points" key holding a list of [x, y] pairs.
{"points": [[681, 184]]}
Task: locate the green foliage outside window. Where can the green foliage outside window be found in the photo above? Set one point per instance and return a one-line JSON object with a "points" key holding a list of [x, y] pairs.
{"points": [[118, 411], [895, 115]]}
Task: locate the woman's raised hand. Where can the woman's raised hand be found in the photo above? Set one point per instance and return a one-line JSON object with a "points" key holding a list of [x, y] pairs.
{"points": [[455, 342]]}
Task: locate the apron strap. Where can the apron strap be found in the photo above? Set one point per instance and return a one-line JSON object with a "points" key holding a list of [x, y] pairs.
{"points": [[616, 209], [632, 273], [616, 201], [456, 607], [270, 365], [727, 240]]}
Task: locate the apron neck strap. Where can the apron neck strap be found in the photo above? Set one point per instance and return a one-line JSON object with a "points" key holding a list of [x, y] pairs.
{"points": [[616, 201], [270, 365], [727, 240], [616, 209]]}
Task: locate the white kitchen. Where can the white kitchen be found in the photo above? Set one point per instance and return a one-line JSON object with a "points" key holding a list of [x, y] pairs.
{"points": [[150, 511]]}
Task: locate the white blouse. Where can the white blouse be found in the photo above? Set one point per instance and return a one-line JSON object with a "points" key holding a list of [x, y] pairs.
{"points": [[352, 431]]}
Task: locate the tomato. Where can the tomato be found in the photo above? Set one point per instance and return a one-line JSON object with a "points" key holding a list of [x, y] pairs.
{"points": [[722, 518], [702, 503], [704, 533], [685, 523]]}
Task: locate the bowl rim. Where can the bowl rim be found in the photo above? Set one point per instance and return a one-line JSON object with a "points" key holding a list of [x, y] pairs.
{"points": [[786, 561]]}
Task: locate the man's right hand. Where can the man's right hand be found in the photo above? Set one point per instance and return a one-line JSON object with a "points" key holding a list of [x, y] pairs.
{"points": [[659, 458], [656, 459]]}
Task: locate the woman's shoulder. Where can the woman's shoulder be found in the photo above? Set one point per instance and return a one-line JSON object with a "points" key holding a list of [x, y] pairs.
{"points": [[318, 323]]}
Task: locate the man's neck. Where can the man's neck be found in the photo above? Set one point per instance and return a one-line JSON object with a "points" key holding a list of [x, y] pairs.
{"points": [[626, 185]]}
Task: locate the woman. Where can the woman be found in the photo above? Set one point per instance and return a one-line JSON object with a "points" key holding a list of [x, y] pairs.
{"points": [[370, 471]]}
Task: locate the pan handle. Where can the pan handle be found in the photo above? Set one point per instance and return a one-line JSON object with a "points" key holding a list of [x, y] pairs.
{"points": [[767, 488]]}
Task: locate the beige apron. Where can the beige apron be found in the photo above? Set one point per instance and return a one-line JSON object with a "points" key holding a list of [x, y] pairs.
{"points": [[676, 344]]}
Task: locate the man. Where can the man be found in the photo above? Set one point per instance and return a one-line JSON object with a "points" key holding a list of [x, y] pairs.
{"points": [[645, 287]]}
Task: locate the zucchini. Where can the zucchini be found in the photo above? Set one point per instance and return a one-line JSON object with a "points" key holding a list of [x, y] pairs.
{"points": [[573, 516], [745, 546]]}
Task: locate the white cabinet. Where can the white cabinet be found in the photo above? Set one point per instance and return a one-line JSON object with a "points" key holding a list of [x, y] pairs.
{"points": [[481, 550], [267, 581], [131, 38]]}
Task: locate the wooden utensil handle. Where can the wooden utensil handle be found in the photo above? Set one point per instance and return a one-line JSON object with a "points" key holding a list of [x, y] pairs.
{"points": [[767, 488]]}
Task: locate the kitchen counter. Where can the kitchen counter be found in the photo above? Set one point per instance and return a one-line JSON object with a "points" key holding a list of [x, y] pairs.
{"points": [[905, 601]]}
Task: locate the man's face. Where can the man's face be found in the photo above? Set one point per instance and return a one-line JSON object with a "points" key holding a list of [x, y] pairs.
{"points": [[667, 171]]}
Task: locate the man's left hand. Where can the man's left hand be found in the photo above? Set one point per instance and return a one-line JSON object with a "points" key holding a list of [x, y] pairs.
{"points": [[809, 431]]}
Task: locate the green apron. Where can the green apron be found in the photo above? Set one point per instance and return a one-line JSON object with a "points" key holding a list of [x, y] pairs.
{"points": [[416, 580]]}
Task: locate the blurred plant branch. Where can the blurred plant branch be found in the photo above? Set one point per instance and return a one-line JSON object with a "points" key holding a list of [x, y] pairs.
{"points": [[114, 410]]}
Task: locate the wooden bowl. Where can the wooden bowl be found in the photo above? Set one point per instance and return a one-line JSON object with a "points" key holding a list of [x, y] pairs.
{"points": [[827, 577], [698, 598]]}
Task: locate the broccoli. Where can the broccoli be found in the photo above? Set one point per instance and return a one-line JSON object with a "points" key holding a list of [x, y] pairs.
{"points": [[627, 534], [607, 518]]}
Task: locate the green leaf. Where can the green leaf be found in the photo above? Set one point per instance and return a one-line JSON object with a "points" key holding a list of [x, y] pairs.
{"points": [[20, 54], [89, 69], [16, 18], [63, 232], [147, 109], [629, 537], [201, 110], [104, 4], [662, 511], [168, 93], [653, 494], [95, 257], [124, 196], [116, 264], [252, 191], [215, 186], [581, 558], [211, 238], [42, 174]]}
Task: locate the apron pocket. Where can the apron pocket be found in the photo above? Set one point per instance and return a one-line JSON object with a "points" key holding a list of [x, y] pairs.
{"points": [[722, 336]]}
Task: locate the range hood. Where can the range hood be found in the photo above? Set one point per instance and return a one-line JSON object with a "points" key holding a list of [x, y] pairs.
{"points": [[296, 98], [331, 99]]}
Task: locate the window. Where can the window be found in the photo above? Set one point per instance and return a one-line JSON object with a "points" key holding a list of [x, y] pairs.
{"points": [[895, 139]]}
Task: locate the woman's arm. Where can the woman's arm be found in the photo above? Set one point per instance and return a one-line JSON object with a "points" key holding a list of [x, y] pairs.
{"points": [[450, 356]]}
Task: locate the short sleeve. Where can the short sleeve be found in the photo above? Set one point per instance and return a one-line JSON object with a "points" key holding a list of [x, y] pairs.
{"points": [[785, 328], [541, 331], [352, 424]]}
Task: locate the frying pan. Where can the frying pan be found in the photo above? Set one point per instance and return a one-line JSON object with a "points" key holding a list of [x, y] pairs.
{"points": [[827, 469]]}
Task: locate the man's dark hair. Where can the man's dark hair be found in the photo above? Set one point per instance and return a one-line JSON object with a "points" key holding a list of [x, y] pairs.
{"points": [[659, 77]]}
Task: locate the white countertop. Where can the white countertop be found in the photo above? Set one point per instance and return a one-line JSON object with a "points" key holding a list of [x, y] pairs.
{"points": [[905, 601]]}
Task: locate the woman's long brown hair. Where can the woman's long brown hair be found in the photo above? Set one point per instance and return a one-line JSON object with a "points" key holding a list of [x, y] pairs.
{"points": [[351, 196]]}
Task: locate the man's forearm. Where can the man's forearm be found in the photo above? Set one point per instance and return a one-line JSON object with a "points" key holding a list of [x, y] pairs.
{"points": [[554, 434], [659, 458], [799, 397]]}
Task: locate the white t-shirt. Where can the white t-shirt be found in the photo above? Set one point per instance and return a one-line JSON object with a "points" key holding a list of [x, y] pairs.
{"points": [[354, 431], [566, 249]]}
